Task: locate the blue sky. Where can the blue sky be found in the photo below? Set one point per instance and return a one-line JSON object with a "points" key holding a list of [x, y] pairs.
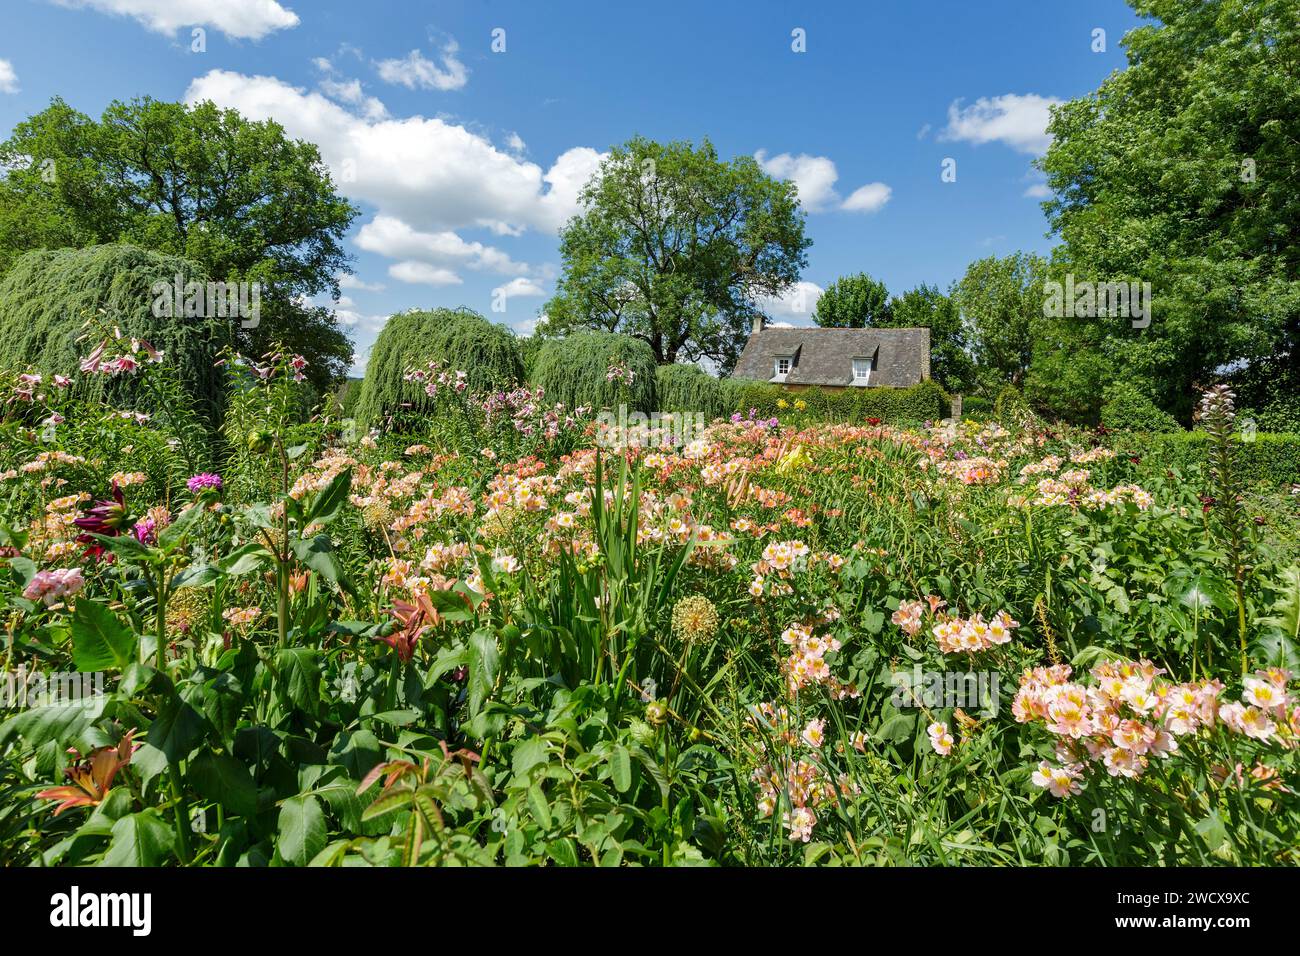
{"points": [[466, 160]]}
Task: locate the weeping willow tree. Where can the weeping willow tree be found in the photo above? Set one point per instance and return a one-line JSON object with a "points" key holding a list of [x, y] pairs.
{"points": [[688, 388], [576, 370], [459, 338], [48, 296]]}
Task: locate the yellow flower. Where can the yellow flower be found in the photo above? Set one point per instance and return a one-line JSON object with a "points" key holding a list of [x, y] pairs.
{"points": [[782, 403], [695, 619], [800, 405]]}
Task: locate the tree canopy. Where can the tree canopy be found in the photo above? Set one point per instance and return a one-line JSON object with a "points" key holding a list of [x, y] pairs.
{"points": [[237, 197], [674, 246], [853, 302], [1180, 171]]}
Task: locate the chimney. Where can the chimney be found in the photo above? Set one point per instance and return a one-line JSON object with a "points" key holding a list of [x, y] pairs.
{"points": [[759, 322]]}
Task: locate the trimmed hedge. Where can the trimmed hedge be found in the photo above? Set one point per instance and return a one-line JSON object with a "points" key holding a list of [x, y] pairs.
{"points": [[48, 295], [573, 370], [919, 403], [1271, 459], [460, 338], [688, 388]]}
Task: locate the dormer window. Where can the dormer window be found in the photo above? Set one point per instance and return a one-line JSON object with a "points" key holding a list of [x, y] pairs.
{"points": [[861, 371], [782, 368]]}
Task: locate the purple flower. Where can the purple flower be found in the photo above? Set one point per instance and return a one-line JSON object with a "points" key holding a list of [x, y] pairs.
{"points": [[146, 531], [202, 482]]}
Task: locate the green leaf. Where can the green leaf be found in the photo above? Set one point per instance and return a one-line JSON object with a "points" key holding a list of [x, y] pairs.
{"points": [[56, 722], [327, 502], [483, 662], [302, 830], [99, 640], [141, 839], [318, 554], [528, 755], [224, 780], [620, 768], [300, 677], [541, 809], [173, 535], [244, 559]]}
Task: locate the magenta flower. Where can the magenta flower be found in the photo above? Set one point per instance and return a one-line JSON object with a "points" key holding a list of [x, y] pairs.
{"points": [[203, 482], [106, 517], [146, 531]]}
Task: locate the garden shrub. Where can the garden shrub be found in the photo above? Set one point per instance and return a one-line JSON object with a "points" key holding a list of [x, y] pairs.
{"points": [[1271, 459], [1128, 408], [923, 402], [48, 295], [688, 388], [459, 338], [575, 370]]}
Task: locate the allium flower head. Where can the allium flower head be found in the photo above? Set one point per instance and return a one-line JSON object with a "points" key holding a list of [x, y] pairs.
{"points": [[695, 619]]}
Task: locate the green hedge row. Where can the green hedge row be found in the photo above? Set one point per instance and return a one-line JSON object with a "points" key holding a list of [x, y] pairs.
{"points": [[684, 388], [1272, 459]]}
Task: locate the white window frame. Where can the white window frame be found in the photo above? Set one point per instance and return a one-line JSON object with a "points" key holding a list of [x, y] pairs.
{"points": [[777, 374], [863, 380]]}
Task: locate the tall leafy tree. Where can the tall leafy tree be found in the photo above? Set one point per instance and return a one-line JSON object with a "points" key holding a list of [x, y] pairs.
{"points": [[926, 307], [853, 302], [674, 246], [1181, 171], [238, 197], [1000, 300]]}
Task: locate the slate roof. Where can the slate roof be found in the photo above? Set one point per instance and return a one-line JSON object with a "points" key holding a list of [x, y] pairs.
{"points": [[825, 356]]}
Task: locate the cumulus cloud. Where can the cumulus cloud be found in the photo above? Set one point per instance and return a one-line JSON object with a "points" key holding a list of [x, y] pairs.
{"points": [[869, 198], [424, 273], [8, 78], [430, 173], [796, 305], [1019, 121], [815, 177], [349, 281], [521, 287], [415, 71], [241, 19], [391, 237]]}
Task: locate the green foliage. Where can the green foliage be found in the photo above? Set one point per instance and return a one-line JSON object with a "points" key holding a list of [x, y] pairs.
{"points": [[1270, 459], [47, 298], [1000, 299], [459, 338], [1268, 391], [573, 370], [1127, 408], [854, 302], [236, 196], [688, 388], [926, 401], [1176, 171], [927, 307], [674, 246]]}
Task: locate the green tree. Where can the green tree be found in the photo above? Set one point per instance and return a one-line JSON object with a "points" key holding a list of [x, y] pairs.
{"points": [[926, 307], [673, 246], [853, 302], [1181, 171], [238, 197], [1000, 301]]}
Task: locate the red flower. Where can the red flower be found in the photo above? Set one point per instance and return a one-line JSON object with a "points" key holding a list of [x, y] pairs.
{"points": [[106, 517], [415, 619]]}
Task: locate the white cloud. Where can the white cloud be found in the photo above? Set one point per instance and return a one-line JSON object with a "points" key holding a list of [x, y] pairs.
{"points": [[869, 198], [515, 143], [349, 281], [241, 19], [389, 236], [796, 304], [349, 91], [520, 287], [415, 71], [815, 176], [1039, 191], [1019, 121], [430, 173], [424, 274], [8, 78]]}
